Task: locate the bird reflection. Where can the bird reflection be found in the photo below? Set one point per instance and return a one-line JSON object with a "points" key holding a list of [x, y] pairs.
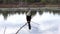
{"points": [[28, 17]]}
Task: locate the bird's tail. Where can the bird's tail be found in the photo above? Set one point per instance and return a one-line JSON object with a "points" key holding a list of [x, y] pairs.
{"points": [[29, 25]]}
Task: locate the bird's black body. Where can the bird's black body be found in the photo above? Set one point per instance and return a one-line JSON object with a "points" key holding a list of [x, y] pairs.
{"points": [[28, 20]]}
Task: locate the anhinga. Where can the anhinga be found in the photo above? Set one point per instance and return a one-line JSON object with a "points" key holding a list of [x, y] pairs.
{"points": [[28, 17]]}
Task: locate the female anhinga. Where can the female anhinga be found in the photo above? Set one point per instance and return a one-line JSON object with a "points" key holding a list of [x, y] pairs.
{"points": [[28, 17]]}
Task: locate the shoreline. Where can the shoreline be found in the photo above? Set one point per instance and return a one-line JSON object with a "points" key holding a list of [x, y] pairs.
{"points": [[29, 8], [28, 5]]}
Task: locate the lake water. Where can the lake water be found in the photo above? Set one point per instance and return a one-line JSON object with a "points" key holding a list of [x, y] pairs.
{"points": [[43, 22]]}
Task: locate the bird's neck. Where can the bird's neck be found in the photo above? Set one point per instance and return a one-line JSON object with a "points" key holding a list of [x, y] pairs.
{"points": [[29, 13]]}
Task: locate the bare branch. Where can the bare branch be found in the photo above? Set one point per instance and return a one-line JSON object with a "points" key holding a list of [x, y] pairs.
{"points": [[21, 28], [35, 23]]}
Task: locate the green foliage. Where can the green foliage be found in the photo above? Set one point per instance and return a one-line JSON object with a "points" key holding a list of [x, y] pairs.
{"points": [[31, 1], [43, 1], [28, 1]]}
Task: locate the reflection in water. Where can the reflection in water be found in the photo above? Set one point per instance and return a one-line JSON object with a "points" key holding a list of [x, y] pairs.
{"points": [[41, 23], [6, 13], [28, 18]]}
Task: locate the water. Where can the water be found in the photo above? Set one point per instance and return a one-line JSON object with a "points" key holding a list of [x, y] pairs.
{"points": [[43, 22]]}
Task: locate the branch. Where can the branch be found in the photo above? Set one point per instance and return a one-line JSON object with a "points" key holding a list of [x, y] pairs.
{"points": [[35, 23], [21, 28]]}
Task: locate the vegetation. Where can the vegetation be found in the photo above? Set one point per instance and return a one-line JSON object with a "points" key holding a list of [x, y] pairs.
{"points": [[30, 1]]}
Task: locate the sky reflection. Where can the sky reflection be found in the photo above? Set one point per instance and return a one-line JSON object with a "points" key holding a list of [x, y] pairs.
{"points": [[41, 24]]}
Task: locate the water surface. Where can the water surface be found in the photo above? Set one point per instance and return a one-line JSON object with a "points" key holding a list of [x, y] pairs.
{"points": [[43, 22]]}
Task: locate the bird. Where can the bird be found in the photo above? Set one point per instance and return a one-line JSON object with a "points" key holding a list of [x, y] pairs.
{"points": [[28, 17]]}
